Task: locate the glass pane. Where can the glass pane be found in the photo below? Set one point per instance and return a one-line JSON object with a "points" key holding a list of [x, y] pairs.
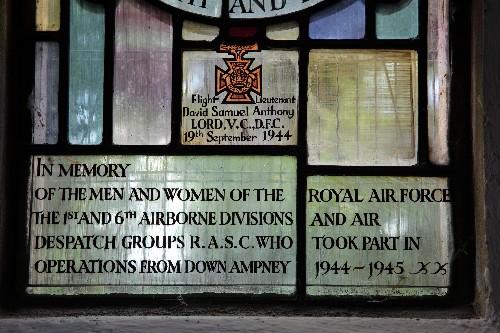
{"points": [[344, 20], [143, 74], [215, 113], [172, 225], [374, 236], [438, 76], [43, 101], [86, 72], [283, 31], [362, 107], [48, 15], [198, 31], [397, 20]]}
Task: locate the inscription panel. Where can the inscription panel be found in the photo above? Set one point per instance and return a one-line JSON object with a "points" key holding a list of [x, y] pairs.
{"points": [[162, 225], [371, 236]]}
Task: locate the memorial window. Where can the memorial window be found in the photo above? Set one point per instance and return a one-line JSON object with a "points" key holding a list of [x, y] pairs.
{"points": [[295, 149]]}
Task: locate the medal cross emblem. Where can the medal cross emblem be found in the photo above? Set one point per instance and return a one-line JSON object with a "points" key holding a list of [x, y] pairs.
{"points": [[238, 80]]}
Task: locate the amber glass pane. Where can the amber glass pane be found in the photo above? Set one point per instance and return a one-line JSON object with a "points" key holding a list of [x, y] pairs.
{"points": [[438, 76], [204, 224], [386, 236], [283, 31], [143, 74], [362, 107], [43, 102], [198, 31], [86, 72], [48, 14]]}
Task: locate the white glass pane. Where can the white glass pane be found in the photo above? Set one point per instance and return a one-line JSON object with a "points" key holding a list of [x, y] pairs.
{"points": [[43, 101], [362, 107]]}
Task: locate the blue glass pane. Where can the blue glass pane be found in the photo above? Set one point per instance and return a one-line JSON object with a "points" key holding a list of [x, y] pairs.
{"points": [[344, 20], [397, 20]]}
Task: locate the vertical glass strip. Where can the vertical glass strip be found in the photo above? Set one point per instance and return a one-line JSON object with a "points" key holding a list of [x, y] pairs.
{"points": [[362, 107], [86, 72], [438, 81], [48, 14], [143, 75], [343, 20], [43, 101], [397, 20]]}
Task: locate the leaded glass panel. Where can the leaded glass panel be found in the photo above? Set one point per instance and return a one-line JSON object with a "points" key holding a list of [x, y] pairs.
{"points": [[181, 126]]}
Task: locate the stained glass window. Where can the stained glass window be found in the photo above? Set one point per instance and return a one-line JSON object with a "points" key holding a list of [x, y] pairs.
{"points": [[283, 149]]}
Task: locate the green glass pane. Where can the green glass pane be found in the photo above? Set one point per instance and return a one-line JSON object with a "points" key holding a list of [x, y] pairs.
{"points": [[438, 81], [397, 20], [143, 74], [173, 225], [374, 236], [214, 113], [86, 72], [43, 101], [48, 14], [199, 31], [362, 107]]}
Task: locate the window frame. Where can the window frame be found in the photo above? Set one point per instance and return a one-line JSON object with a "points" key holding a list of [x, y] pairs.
{"points": [[458, 171]]}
